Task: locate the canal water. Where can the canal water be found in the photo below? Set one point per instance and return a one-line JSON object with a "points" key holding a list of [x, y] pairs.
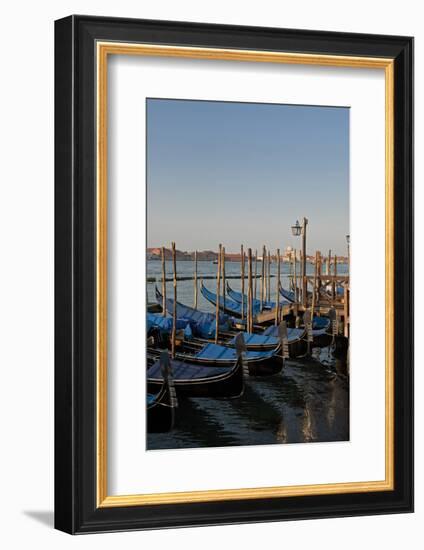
{"points": [[307, 402], [185, 289]]}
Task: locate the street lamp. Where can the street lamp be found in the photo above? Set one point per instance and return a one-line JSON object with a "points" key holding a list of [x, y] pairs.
{"points": [[348, 252], [297, 231]]}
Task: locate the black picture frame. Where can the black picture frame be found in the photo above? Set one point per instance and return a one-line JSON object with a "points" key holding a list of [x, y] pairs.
{"points": [[76, 510]]}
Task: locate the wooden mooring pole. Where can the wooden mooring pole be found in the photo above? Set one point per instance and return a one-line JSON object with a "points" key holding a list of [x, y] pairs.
{"points": [[224, 289], [174, 312], [262, 277], [195, 280], [346, 323], [334, 284], [301, 280], [304, 258], [249, 292], [277, 290], [256, 270], [318, 260], [242, 281], [296, 296], [163, 283], [291, 265], [269, 276], [218, 293], [265, 260], [314, 289]]}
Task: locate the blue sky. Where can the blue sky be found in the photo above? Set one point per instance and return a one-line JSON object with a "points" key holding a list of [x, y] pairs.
{"points": [[243, 173]]}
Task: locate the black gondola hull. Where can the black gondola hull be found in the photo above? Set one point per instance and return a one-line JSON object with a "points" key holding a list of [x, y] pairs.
{"points": [[161, 413], [160, 418], [228, 385], [258, 367]]}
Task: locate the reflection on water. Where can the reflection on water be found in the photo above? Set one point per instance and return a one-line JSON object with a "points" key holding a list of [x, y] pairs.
{"points": [[307, 402], [185, 288]]}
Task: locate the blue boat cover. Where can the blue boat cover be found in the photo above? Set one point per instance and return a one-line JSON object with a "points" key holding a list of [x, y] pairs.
{"points": [[164, 323], [230, 305], [202, 324], [216, 352], [258, 340], [287, 294], [237, 297], [319, 327], [320, 324], [293, 334], [186, 371]]}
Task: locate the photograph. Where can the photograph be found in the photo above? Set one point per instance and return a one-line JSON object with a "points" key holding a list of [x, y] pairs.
{"points": [[247, 273], [220, 190]]}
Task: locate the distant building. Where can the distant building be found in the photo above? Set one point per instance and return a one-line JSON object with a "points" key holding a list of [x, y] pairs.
{"points": [[156, 254]]}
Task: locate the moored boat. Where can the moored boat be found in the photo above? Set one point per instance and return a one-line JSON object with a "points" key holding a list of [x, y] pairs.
{"points": [[287, 295], [298, 336], [202, 323], [161, 406], [228, 305], [295, 339], [203, 326], [199, 380], [239, 297], [259, 363]]}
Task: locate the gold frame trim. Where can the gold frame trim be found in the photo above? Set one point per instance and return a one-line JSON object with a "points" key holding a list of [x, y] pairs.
{"points": [[104, 49]]}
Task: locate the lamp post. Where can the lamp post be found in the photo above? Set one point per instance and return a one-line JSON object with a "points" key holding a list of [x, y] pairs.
{"points": [[297, 231], [348, 253]]}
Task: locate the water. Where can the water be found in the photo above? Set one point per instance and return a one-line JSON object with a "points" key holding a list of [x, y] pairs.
{"points": [[185, 289], [307, 402]]}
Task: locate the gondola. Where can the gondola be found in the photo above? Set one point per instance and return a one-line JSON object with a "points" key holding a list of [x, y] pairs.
{"points": [[238, 297], [164, 324], [161, 406], [295, 338], [260, 317], [197, 332], [320, 336], [320, 332], [199, 380], [228, 305], [259, 363], [320, 326], [201, 322], [254, 342], [287, 295]]}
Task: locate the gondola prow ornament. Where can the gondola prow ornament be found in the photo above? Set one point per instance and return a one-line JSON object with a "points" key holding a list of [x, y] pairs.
{"points": [[284, 341], [166, 370], [241, 348], [332, 315], [307, 321]]}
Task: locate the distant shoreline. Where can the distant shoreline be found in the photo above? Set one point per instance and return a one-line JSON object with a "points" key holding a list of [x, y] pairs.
{"points": [[340, 259]]}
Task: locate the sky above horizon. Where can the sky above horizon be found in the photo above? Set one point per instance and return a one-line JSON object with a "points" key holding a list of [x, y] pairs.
{"points": [[232, 173]]}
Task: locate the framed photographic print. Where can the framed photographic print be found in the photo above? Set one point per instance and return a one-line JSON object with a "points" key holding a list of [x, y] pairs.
{"points": [[234, 274]]}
